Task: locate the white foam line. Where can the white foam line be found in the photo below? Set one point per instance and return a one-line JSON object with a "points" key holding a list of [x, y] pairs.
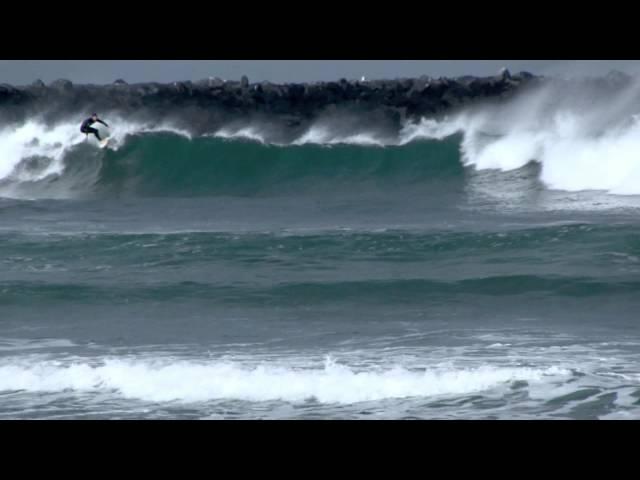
{"points": [[191, 381]]}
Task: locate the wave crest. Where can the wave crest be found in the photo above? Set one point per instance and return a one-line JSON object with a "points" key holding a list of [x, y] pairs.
{"points": [[192, 381], [581, 141]]}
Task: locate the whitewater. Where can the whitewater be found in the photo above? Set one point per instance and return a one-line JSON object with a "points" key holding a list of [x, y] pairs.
{"points": [[580, 144]]}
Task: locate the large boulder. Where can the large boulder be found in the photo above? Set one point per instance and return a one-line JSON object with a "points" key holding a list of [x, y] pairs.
{"points": [[505, 73], [62, 86], [211, 82]]}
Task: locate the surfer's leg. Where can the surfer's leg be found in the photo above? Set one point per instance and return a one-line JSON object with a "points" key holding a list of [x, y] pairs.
{"points": [[95, 132]]}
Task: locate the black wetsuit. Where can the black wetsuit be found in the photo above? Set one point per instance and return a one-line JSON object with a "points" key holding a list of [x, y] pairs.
{"points": [[86, 127]]}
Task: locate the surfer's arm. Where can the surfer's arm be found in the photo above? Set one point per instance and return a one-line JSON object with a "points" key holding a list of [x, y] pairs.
{"points": [[103, 123]]}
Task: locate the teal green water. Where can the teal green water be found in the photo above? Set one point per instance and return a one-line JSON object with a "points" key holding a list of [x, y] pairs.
{"points": [[208, 278]]}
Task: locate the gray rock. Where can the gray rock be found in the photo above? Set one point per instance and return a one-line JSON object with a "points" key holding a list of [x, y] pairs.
{"points": [[211, 82], [213, 99], [505, 73], [62, 85]]}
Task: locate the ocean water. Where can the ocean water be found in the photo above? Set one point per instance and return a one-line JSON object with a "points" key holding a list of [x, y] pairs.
{"points": [[484, 265]]}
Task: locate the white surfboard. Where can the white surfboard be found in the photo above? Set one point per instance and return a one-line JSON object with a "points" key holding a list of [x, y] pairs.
{"points": [[104, 142]]}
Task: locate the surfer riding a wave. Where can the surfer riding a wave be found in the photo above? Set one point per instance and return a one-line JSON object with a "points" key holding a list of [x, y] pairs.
{"points": [[86, 126]]}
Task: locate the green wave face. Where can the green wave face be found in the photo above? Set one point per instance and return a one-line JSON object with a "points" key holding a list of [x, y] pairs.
{"points": [[163, 164]]}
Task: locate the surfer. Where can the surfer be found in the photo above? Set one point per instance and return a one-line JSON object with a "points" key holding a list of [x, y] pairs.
{"points": [[86, 126]]}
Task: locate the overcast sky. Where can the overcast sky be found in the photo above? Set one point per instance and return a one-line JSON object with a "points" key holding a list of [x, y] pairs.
{"points": [[20, 72]]}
